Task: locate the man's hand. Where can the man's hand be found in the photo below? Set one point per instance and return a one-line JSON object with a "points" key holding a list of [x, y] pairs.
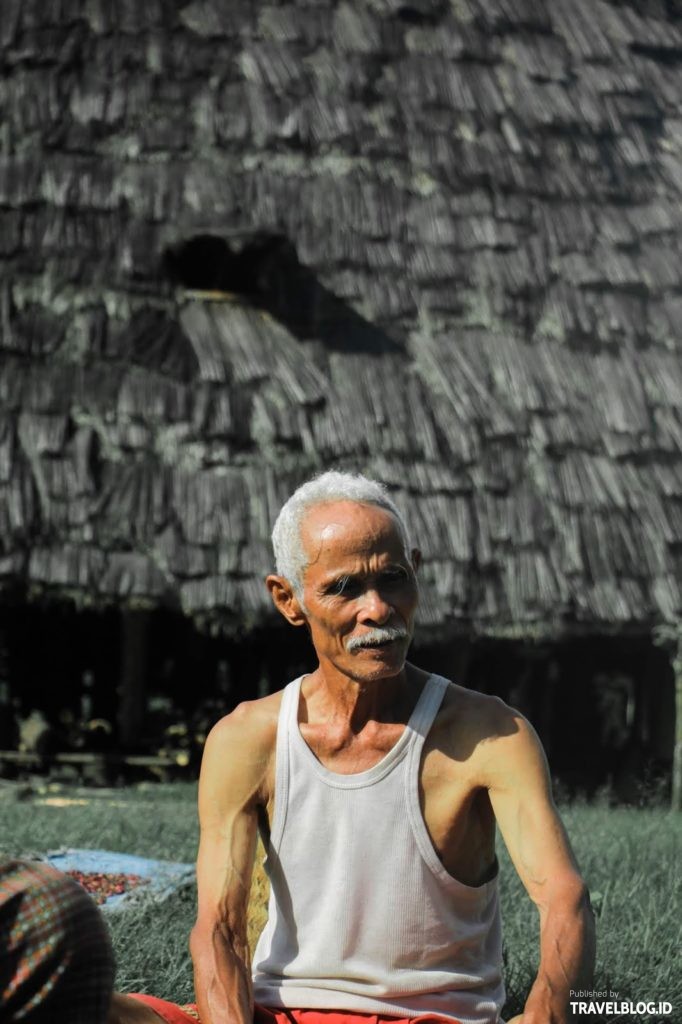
{"points": [[520, 793], [232, 785]]}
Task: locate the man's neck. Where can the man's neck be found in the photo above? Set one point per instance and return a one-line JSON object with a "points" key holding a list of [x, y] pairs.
{"points": [[330, 695]]}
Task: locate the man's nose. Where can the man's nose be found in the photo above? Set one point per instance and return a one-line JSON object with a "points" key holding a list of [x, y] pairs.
{"points": [[374, 608]]}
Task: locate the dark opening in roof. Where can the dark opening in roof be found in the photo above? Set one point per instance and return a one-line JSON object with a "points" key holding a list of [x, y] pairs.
{"points": [[422, 12], [209, 263], [265, 272]]}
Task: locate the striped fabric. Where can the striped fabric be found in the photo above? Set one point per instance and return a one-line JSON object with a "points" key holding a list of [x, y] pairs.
{"points": [[56, 962]]}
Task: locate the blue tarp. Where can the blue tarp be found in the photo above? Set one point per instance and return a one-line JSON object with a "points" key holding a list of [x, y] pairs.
{"points": [[162, 877]]}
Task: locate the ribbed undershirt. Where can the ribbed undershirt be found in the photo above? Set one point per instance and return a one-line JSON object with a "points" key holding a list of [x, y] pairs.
{"points": [[363, 916]]}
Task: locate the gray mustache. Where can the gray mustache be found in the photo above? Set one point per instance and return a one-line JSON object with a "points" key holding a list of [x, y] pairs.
{"points": [[380, 635]]}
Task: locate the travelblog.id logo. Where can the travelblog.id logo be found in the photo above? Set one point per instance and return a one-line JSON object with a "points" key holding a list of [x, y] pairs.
{"points": [[597, 1005]]}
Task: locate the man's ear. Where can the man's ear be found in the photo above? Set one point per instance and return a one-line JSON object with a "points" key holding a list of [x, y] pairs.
{"points": [[416, 558], [285, 600]]}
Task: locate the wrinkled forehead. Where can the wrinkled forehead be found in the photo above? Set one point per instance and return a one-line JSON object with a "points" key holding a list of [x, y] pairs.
{"points": [[340, 530]]}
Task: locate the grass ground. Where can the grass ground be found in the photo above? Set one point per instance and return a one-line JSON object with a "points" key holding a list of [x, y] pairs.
{"points": [[630, 858]]}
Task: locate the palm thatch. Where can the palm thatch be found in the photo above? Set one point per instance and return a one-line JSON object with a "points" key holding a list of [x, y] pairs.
{"points": [[436, 242]]}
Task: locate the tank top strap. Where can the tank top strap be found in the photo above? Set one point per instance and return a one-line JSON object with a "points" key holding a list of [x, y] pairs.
{"points": [[286, 721], [437, 686], [426, 710], [288, 713]]}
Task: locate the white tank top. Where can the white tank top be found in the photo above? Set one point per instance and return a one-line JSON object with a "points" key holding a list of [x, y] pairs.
{"points": [[363, 916]]}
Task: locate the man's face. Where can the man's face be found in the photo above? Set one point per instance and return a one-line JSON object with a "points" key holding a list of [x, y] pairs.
{"points": [[359, 586]]}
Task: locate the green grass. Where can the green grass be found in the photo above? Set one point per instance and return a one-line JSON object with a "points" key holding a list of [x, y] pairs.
{"points": [[630, 858], [151, 821]]}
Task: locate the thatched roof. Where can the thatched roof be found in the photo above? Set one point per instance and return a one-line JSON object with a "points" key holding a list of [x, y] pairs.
{"points": [[439, 242]]}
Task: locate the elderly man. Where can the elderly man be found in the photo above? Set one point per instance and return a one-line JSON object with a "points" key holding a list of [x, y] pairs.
{"points": [[376, 788]]}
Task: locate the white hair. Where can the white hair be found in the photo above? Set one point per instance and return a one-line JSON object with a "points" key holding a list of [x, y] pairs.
{"points": [[290, 558]]}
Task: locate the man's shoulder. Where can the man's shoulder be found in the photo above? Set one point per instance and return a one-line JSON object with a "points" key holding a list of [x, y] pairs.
{"points": [[484, 710], [500, 741], [244, 739], [479, 722], [253, 722], [238, 759]]}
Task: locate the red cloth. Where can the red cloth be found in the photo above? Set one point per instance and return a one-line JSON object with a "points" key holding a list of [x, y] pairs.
{"points": [[174, 1014], [170, 1012]]}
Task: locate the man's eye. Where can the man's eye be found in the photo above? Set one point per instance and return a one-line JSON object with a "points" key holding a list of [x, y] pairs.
{"points": [[394, 576], [345, 585]]}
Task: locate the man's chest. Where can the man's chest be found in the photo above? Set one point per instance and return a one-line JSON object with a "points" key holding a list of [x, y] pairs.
{"points": [[454, 808]]}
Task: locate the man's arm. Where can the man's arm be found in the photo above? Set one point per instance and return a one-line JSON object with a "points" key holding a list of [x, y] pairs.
{"points": [[520, 793], [231, 786]]}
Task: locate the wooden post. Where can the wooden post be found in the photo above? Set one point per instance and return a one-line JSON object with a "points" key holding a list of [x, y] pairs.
{"points": [[133, 703], [676, 802]]}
